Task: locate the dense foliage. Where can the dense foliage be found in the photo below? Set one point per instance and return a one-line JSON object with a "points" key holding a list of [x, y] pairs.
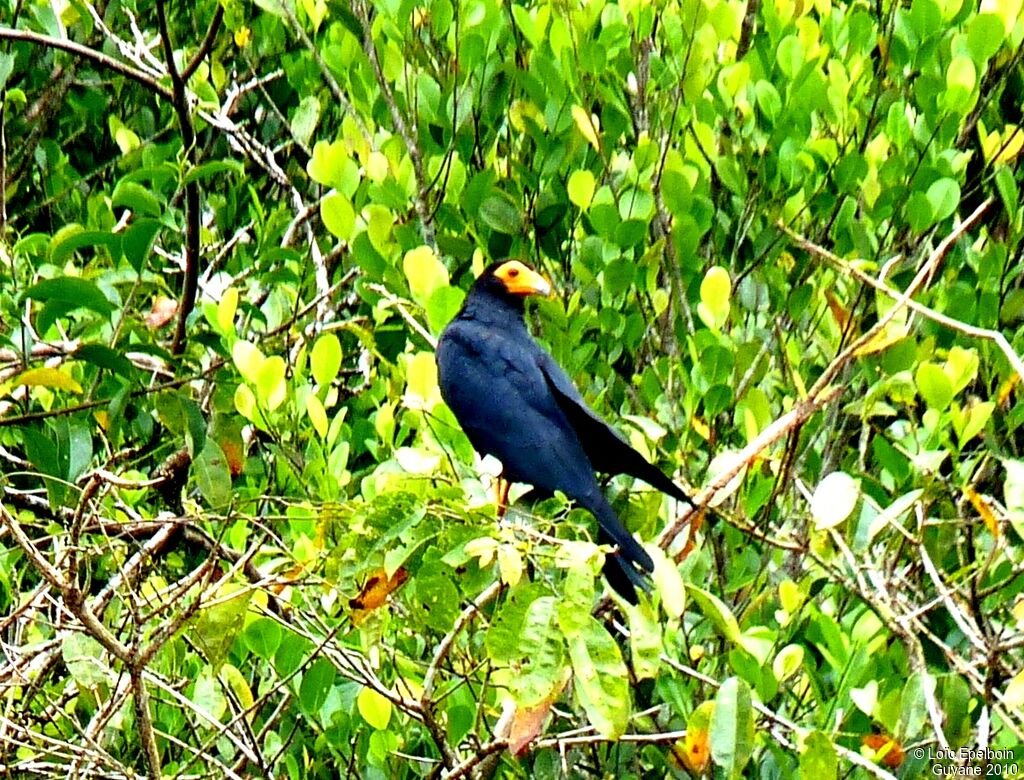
{"points": [[241, 534]]}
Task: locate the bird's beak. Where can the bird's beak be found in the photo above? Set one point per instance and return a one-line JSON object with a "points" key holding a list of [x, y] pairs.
{"points": [[525, 281]]}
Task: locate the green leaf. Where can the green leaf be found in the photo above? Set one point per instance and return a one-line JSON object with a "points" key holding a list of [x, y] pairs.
{"points": [[934, 386], [913, 705], [134, 196], [788, 662], [974, 421], [305, 118], [6, 68], [137, 242], [317, 681], [1013, 493], [961, 367], [70, 238], [818, 758], [212, 474], [105, 357], [330, 165], [325, 359], [768, 99], [212, 169], [866, 698], [943, 196], [442, 307], [919, 212], [85, 661], [1007, 189], [72, 291], [218, 624], [636, 203], [644, 640], [500, 214], [601, 678], [717, 612], [985, 36], [541, 653], [732, 727], [338, 215], [503, 635], [581, 188], [263, 636], [790, 55]]}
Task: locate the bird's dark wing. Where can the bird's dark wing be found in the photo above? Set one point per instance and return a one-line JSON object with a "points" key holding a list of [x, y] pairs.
{"points": [[495, 387], [607, 450]]}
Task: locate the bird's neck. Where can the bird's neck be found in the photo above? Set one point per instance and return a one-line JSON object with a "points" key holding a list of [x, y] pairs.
{"points": [[495, 312]]}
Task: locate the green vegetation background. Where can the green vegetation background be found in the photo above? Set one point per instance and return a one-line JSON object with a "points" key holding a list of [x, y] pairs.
{"points": [[241, 536]]}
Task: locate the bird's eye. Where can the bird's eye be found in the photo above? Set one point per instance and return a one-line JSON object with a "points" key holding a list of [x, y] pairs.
{"points": [[513, 272]]}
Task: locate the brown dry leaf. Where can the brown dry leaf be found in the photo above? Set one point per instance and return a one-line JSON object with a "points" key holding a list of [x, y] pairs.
{"points": [[887, 750], [162, 312], [839, 312], [377, 589], [527, 724], [983, 507], [696, 522]]}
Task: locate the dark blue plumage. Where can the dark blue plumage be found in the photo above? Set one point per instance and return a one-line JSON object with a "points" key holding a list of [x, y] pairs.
{"points": [[516, 403]]}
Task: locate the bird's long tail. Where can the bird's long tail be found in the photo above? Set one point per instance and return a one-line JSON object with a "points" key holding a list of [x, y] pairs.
{"points": [[624, 569]]}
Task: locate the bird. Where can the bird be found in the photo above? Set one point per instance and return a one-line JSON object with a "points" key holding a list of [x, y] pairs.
{"points": [[515, 403]]}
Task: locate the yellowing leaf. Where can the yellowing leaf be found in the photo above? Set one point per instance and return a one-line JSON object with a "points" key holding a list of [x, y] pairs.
{"points": [[669, 583], [983, 507], [961, 74], [581, 188], [788, 662], [374, 707], [587, 125], [510, 564], [53, 378], [377, 167], [248, 359], [483, 548], [1006, 10], [325, 359], [891, 333], [425, 273], [421, 390], [1002, 146], [317, 414], [715, 290], [270, 382], [226, 310]]}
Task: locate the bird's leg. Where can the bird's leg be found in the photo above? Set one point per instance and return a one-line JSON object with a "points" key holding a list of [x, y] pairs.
{"points": [[501, 488]]}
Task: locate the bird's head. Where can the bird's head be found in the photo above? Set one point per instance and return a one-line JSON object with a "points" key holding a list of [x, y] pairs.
{"points": [[512, 280]]}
